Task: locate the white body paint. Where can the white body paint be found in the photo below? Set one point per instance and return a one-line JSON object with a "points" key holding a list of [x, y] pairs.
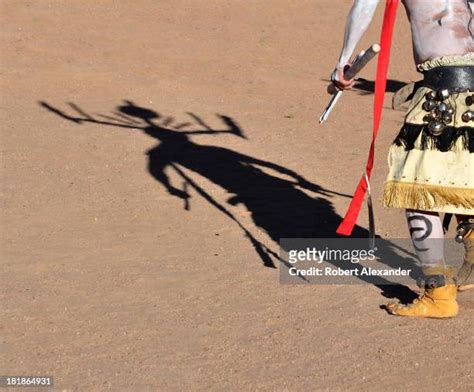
{"points": [[426, 231], [439, 27]]}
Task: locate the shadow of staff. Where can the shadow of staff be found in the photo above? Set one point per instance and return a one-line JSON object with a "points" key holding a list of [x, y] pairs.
{"points": [[367, 87]]}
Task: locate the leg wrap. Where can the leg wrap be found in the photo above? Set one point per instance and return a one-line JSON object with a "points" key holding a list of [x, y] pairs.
{"points": [[438, 299], [436, 277], [465, 234]]}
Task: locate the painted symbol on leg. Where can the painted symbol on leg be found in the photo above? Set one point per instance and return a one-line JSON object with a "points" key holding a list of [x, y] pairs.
{"points": [[425, 231]]}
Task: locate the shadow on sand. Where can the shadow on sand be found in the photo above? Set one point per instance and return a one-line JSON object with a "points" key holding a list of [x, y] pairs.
{"points": [[367, 87], [281, 202]]}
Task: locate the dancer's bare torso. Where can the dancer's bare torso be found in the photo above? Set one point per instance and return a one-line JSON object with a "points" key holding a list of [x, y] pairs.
{"points": [[440, 28]]}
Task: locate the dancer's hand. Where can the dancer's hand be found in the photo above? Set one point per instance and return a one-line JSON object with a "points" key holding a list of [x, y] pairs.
{"points": [[339, 82]]}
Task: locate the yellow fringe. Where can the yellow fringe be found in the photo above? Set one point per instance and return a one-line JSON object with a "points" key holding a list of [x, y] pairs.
{"points": [[426, 197]]}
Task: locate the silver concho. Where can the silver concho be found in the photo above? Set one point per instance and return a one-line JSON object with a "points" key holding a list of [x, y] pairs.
{"points": [[430, 95], [436, 128], [428, 106], [442, 95], [468, 116], [446, 117], [442, 107], [440, 113]]}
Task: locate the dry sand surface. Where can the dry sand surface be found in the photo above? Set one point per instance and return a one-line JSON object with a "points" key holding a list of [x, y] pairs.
{"points": [[113, 281]]}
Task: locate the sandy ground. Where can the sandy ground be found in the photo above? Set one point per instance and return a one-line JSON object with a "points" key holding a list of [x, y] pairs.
{"points": [[111, 281]]}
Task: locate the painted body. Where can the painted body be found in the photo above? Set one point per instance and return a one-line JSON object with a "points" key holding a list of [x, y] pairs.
{"points": [[438, 27]]}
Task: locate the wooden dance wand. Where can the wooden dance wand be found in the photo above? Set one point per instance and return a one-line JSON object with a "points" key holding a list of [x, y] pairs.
{"points": [[360, 62]]}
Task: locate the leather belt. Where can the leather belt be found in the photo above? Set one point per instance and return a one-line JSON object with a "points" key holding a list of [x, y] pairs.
{"points": [[452, 78]]}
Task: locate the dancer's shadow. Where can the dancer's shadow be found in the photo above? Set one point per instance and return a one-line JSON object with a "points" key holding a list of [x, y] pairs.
{"points": [[281, 202]]}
